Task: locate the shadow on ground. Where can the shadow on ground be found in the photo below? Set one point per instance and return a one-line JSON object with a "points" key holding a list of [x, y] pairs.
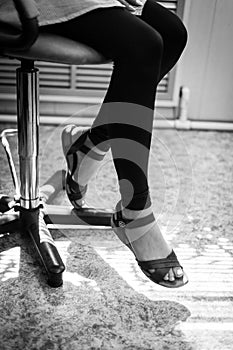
{"points": [[95, 308]]}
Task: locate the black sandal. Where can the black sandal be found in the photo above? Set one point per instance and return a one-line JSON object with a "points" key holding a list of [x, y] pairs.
{"points": [[75, 192], [161, 266]]}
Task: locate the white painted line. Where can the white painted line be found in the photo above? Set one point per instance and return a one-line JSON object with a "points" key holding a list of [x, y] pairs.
{"points": [[211, 326]]}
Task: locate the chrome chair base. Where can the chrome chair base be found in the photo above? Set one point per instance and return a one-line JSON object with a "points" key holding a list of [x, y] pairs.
{"points": [[28, 211]]}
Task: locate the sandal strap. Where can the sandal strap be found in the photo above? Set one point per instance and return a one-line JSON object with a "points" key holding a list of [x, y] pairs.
{"points": [[74, 165], [74, 191], [165, 263], [92, 154], [141, 222], [75, 196], [131, 223], [161, 267], [78, 145]]}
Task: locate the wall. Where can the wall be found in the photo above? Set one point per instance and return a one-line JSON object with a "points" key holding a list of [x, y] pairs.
{"points": [[207, 63]]}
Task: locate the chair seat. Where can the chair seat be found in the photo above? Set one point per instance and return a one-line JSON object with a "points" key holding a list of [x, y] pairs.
{"points": [[55, 48]]}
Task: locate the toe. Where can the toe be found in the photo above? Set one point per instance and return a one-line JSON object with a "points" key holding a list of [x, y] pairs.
{"points": [[178, 272], [171, 275]]}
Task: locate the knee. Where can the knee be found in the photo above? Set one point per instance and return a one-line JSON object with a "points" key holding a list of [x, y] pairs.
{"points": [[180, 34], [150, 49], [155, 46]]}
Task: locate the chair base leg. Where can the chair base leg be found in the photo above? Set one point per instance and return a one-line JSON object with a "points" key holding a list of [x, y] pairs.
{"points": [[32, 222]]}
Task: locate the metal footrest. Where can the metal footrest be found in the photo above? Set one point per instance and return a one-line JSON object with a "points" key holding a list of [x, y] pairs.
{"points": [[32, 222], [70, 218]]}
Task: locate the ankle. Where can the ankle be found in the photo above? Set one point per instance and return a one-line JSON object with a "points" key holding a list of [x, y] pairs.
{"points": [[88, 143], [142, 222], [134, 214]]}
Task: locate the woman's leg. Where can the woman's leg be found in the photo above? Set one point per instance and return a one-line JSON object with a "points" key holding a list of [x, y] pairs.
{"points": [[174, 35], [137, 50], [172, 30]]}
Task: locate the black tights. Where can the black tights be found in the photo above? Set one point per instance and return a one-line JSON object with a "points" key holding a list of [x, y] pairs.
{"points": [[143, 50]]}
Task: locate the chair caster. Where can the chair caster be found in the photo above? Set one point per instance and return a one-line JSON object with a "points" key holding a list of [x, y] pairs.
{"points": [[55, 280]]}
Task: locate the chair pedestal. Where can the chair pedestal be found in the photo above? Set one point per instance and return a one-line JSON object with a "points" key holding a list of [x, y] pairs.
{"points": [[27, 212], [28, 133]]}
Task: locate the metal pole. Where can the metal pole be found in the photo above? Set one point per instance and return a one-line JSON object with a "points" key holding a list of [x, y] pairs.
{"points": [[28, 133]]}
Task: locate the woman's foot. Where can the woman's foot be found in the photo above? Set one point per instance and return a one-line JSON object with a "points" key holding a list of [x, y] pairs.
{"points": [[140, 232], [83, 159]]}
